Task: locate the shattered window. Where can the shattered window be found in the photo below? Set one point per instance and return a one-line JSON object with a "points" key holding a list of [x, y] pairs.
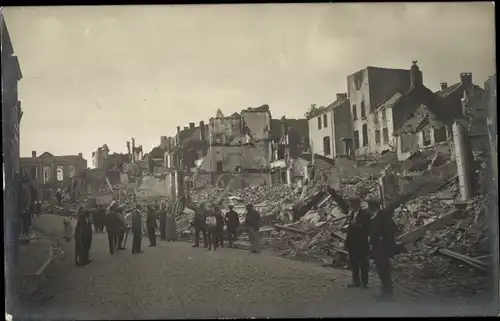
{"points": [[377, 137], [365, 135], [71, 171], [46, 174], [385, 132], [60, 173]]}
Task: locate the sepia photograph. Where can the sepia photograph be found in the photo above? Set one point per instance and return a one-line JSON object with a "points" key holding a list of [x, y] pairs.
{"points": [[293, 160]]}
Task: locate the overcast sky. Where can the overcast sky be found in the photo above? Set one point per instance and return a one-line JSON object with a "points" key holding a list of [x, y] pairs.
{"points": [[96, 75]]}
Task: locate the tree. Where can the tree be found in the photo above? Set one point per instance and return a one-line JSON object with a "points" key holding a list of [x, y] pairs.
{"points": [[314, 111]]}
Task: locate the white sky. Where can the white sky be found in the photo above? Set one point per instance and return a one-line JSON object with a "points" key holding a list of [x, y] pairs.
{"points": [[153, 68]]}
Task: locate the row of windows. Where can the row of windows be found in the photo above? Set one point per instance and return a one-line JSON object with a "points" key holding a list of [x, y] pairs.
{"points": [[325, 121], [357, 143], [32, 173]]}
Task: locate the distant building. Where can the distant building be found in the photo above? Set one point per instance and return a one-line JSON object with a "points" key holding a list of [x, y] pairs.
{"points": [[366, 89], [330, 131], [188, 145], [49, 173]]}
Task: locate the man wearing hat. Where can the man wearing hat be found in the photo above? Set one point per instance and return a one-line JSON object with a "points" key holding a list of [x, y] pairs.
{"points": [[252, 224], [356, 243], [220, 226], [232, 223], [83, 239], [137, 230], [199, 226], [382, 232], [112, 224]]}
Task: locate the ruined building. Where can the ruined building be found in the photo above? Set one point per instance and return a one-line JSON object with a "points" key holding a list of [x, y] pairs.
{"points": [[48, 173], [330, 131], [366, 89]]}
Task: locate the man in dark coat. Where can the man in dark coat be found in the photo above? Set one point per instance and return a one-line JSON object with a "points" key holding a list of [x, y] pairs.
{"points": [[151, 226], [219, 238], [163, 222], [232, 223], [137, 230], [252, 224], [112, 230], [101, 216], [356, 243], [83, 239], [199, 226], [95, 220], [382, 238], [122, 229]]}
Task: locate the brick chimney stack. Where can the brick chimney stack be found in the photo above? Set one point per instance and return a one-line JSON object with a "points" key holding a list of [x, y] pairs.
{"points": [[191, 125], [81, 155], [341, 96], [444, 85], [202, 131], [33, 154], [416, 78], [178, 129], [186, 128]]}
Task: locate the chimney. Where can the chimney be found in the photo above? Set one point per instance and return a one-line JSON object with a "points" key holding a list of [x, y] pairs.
{"points": [[202, 131], [81, 155], [191, 125], [415, 76], [341, 96], [133, 150], [466, 78], [128, 148], [178, 129], [186, 128], [33, 154], [444, 85]]}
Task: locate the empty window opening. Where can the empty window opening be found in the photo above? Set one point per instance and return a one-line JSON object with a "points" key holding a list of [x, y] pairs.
{"points": [[440, 135], [363, 111], [377, 137], [385, 133], [219, 167], [34, 172], [375, 118], [426, 137], [326, 146], [384, 115], [46, 174], [365, 135], [354, 112], [319, 122], [356, 139], [325, 122]]}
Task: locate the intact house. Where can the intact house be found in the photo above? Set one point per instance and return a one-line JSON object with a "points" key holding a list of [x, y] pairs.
{"points": [[330, 132], [423, 119], [367, 89], [240, 142], [290, 138], [48, 173]]}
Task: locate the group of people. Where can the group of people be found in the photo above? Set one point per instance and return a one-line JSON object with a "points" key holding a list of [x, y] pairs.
{"points": [[210, 221], [370, 233], [32, 209]]}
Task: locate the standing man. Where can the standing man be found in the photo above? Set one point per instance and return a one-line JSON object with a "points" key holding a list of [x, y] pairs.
{"points": [[83, 239], [356, 243], [101, 216], [111, 229], [151, 226], [232, 223], [220, 226], [382, 233], [211, 224], [38, 207], [95, 220], [199, 226], [122, 229], [163, 222], [252, 224], [137, 230]]}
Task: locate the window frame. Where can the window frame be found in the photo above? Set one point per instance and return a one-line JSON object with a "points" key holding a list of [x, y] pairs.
{"points": [[364, 130]]}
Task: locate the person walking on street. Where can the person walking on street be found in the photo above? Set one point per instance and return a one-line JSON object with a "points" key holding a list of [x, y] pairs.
{"points": [[382, 239], [171, 225], [122, 229], [356, 243], [83, 239], [199, 226], [232, 223], [137, 230], [211, 224], [252, 224], [163, 222], [25, 217], [95, 220], [151, 226], [220, 226]]}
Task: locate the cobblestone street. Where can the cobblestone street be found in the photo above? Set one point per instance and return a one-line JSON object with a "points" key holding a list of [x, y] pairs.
{"points": [[175, 280]]}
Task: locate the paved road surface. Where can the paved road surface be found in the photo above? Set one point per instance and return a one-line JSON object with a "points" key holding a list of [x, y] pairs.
{"points": [[175, 280]]}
